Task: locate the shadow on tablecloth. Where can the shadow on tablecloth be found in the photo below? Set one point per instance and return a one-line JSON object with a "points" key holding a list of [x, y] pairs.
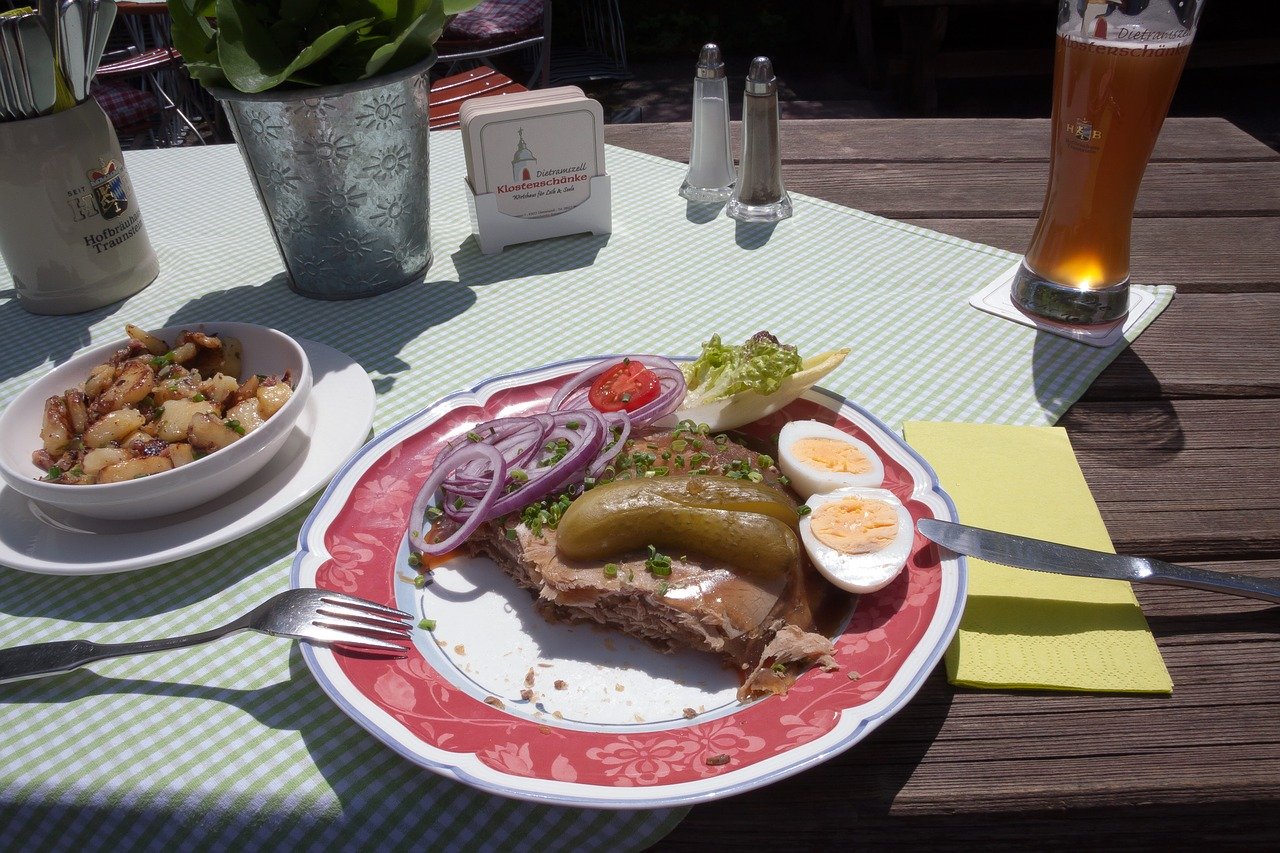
{"points": [[371, 331], [367, 787], [1150, 425]]}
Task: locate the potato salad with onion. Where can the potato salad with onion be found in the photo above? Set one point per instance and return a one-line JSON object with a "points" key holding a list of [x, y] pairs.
{"points": [[152, 407]]}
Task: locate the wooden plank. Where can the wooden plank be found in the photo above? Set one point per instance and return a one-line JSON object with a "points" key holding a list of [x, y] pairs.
{"points": [[1203, 345], [741, 823], [1246, 254], [945, 140], [1184, 479], [977, 190]]}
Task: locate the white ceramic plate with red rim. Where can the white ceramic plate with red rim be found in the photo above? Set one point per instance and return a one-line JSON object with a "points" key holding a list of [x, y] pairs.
{"points": [[498, 698]]}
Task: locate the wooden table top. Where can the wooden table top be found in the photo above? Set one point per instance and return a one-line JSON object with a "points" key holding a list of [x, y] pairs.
{"points": [[1180, 442]]}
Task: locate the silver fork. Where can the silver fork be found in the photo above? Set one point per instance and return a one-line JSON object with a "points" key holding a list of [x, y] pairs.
{"points": [[316, 615]]}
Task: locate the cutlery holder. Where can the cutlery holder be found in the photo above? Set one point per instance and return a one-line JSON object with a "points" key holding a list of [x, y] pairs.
{"points": [[70, 229]]}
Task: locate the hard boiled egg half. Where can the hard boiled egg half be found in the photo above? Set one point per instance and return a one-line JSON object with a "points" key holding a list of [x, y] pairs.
{"points": [[858, 538], [820, 458]]}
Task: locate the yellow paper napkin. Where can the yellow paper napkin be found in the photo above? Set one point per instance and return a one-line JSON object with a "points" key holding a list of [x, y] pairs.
{"points": [[1026, 629]]}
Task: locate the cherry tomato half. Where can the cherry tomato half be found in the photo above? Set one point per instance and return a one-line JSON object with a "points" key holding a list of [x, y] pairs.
{"points": [[627, 385]]}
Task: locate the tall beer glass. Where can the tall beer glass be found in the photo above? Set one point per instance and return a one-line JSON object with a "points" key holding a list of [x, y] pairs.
{"points": [[1115, 69]]}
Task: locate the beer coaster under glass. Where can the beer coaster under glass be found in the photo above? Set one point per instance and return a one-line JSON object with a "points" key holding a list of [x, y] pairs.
{"points": [[995, 299]]}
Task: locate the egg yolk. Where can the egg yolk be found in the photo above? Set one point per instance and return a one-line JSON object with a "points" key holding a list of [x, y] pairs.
{"points": [[831, 454], [855, 525]]}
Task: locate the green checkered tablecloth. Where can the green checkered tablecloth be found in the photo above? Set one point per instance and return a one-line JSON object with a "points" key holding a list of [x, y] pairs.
{"points": [[232, 745]]}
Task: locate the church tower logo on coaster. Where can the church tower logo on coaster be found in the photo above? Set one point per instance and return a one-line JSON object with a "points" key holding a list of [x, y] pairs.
{"points": [[553, 156], [523, 164]]}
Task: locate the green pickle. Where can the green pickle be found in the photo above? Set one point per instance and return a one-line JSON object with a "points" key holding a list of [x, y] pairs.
{"points": [[748, 525]]}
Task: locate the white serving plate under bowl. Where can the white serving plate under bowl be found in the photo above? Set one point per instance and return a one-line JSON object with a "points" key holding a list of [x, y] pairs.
{"points": [[265, 351]]}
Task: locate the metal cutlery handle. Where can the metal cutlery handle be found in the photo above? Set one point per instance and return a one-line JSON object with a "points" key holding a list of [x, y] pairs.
{"points": [[1226, 582], [41, 659]]}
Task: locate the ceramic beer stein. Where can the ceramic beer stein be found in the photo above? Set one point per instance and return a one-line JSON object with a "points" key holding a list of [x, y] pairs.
{"points": [[70, 230]]}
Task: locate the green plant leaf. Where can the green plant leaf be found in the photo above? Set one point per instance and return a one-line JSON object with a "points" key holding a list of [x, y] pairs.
{"points": [[300, 12], [196, 39], [251, 59], [256, 45], [453, 7], [412, 45]]}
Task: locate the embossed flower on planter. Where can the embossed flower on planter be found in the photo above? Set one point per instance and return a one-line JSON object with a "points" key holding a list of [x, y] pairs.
{"points": [[262, 127], [313, 108], [327, 146], [388, 212], [351, 243], [280, 177], [292, 220], [392, 258], [312, 268], [381, 112], [340, 200], [389, 163]]}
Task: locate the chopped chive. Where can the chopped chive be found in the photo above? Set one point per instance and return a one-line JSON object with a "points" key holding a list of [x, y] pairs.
{"points": [[803, 509], [611, 570], [658, 564], [427, 624]]}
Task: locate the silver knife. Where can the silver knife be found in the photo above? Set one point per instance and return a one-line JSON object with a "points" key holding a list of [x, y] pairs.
{"points": [[1027, 553]]}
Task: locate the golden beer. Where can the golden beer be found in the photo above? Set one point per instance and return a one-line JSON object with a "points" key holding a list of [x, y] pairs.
{"points": [[1116, 65], [1109, 103]]}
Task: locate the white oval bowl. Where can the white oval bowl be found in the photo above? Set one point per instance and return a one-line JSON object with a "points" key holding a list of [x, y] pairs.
{"points": [[265, 351]]}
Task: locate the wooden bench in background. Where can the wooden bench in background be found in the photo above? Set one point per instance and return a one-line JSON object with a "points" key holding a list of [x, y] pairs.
{"points": [[448, 93]]}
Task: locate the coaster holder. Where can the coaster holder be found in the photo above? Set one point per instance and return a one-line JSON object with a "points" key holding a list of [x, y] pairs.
{"points": [[494, 230]]}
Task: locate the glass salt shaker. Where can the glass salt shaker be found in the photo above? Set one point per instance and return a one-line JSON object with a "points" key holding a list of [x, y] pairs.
{"points": [[710, 176], [758, 195]]}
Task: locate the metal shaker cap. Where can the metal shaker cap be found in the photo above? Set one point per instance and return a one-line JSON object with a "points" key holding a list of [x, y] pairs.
{"points": [[710, 63], [760, 79]]}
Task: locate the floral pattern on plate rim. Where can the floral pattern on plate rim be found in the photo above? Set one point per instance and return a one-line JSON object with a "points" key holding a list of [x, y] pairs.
{"points": [[364, 533]]}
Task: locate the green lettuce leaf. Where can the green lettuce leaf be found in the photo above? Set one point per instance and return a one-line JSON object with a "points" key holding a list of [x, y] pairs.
{"points": [[760, 365]]}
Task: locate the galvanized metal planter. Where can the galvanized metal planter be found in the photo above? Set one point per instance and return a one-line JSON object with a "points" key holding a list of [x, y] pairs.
{"points": [[341, 172]]}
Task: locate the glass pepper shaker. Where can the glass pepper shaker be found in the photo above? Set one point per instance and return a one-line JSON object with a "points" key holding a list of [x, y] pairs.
{"points": [[758, 195]]}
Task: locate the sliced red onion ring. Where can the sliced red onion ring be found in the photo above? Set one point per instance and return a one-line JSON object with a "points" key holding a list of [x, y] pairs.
{"points": [[472, 472], [545, 480], [607, 454], [442, 467], [517, 442]]}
